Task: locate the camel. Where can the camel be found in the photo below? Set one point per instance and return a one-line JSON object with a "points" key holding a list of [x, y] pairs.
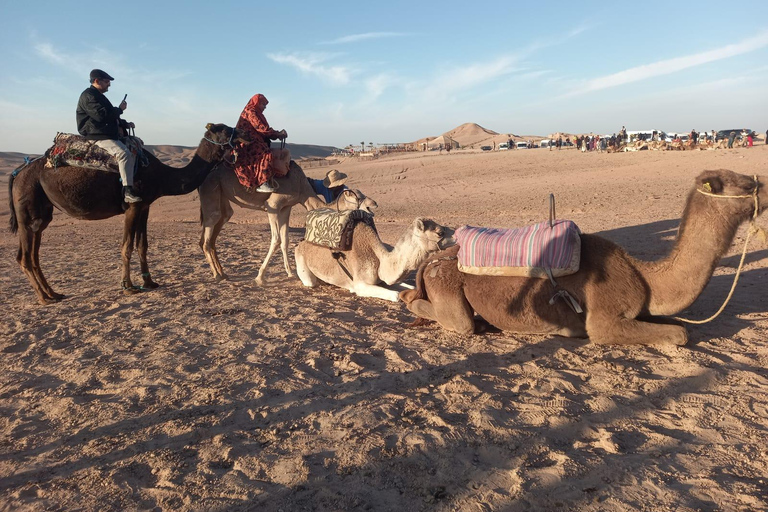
{"points": [[369, 261], [620, 295], [222, 187], [91, 194]]}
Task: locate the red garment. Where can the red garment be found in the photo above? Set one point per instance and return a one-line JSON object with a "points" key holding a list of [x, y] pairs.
{"points": [[254, 161]]}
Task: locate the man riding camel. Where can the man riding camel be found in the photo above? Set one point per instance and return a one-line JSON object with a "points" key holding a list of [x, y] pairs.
{"points": [[99, 121]]}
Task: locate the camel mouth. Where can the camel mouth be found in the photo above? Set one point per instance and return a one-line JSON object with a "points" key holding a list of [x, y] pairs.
{"points": [[447, 240]]}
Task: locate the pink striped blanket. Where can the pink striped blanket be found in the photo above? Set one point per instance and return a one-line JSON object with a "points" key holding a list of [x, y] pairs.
{"points": [[527, 251]]}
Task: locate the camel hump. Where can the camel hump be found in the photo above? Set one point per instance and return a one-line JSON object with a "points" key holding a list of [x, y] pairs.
{"points": [[540, 250], [333, 229]]}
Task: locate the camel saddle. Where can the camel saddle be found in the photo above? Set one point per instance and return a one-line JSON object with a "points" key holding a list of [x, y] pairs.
{"points": [[74, 150], [543, 250], [333, 229]]}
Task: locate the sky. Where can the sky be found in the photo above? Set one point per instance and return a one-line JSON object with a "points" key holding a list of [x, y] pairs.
{"points": [[341, 73]]}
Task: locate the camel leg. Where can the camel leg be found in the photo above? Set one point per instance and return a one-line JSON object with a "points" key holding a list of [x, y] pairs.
{"points": [[36, 265], [26, 259], [454, 315], [308, 279], [375, 291], [142, 244], [283, 219], [130, 227], [215, 211], [274, 242], [226, 214], [608, 329]]}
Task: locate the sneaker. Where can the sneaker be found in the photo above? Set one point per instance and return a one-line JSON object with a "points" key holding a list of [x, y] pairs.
{"points": [[266, 187], [129, 196]]}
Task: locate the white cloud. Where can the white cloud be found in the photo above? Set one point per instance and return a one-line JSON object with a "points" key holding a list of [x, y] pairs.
{"points": [[51, 54], [669, 66], [360, 37], [313, 64]]}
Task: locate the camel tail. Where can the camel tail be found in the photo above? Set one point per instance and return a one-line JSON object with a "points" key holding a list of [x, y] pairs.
{"points": [[13, 223]]}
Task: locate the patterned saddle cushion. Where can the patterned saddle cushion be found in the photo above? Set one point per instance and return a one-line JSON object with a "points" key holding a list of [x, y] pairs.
{"points": [[333, 229], [74, 150], [528, 251]]}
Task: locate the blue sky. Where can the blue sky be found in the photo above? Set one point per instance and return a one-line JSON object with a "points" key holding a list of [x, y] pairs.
{"points": [[338, 73]]}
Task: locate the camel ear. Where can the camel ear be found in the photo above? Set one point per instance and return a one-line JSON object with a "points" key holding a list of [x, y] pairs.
{"points": [[209, 126], [420, 224], [713, 185]]}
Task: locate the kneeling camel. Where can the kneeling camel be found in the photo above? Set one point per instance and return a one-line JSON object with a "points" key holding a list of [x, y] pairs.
{"points": [[369, 261], [621, 296]]}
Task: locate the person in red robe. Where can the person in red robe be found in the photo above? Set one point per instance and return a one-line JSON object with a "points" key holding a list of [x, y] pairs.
{"points": [[254, 161]]}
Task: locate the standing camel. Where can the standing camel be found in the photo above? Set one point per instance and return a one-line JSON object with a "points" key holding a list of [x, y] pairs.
{"points": [[90, 194], [369, 261], [222, 187], [621, 296]]}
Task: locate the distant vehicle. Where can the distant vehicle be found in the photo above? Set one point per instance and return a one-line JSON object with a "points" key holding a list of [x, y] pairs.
{"points": [[634, 135], [521, 145], [546, 143], [503, 146], [486, 148], [724, 134]]}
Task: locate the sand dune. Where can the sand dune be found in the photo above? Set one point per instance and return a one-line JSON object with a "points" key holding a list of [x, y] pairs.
{"points": [[228, 396]]}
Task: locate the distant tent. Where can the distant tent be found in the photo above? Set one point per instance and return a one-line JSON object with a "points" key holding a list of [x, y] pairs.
{"points": [[442, 141]]}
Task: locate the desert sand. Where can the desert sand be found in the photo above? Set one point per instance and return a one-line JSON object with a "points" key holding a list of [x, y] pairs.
{"points": [[205, 396]]}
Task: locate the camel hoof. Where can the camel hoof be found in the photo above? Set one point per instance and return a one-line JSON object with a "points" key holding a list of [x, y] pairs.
{"points": [[260, 281], [47, 301], [151, 285], [406, 296], [221, 277], [131, 290]]}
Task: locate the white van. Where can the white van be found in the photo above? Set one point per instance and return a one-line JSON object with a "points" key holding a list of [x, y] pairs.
{"points": [[546, 143], [503, 146], [521, 145]]}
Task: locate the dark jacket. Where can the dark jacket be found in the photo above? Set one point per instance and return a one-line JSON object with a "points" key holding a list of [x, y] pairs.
{"points": [[97, 119]]}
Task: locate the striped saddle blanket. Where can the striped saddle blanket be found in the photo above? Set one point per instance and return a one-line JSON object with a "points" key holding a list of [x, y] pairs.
{"points": [[333, 229], [533, 251], [74, 150]]}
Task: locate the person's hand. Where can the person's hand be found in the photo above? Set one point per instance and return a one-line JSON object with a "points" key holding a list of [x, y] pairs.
{"points": [[282, 135], [123, 105], [131, 125]]}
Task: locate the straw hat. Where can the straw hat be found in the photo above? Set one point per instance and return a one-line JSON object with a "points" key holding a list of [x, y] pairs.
{"points": [[334, 178]]}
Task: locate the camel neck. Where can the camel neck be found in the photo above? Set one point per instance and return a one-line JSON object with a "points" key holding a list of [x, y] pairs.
{"points": [[182, 180], [704, 236]]}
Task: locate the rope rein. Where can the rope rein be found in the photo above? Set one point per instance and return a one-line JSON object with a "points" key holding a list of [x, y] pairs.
{"points": [[753, 228]]}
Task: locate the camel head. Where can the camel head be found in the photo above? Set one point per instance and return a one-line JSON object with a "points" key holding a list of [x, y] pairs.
{"points": [[355, 200], [221, 138], [733, 194], [436, 236]]}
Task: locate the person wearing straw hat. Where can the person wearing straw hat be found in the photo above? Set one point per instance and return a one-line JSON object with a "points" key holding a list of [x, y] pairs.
{"points": [[330, 187]]}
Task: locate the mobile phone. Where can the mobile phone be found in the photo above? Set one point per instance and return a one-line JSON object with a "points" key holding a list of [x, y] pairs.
{"points": [[125, 97]]}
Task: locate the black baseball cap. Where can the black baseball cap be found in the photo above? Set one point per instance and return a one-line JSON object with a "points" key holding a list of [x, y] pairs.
{"points": [[97, 73]]}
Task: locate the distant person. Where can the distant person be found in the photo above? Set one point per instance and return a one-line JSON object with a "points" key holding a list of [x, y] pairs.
{"points": [[731, 138], [330, 187], [749, 140], [99, 121], [254, 161], [766, 136]]}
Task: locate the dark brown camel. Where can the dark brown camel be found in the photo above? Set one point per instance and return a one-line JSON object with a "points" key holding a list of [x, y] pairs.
{"points": [[90, 194]]}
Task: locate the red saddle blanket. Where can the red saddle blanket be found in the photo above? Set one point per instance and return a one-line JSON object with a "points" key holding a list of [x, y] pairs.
{"points": [[533, 251], [74, 150]]}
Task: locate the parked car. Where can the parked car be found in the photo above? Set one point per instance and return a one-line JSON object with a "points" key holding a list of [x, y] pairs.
{"points": [[503, 146], [724, 134], [521, 145], [486, 148]]}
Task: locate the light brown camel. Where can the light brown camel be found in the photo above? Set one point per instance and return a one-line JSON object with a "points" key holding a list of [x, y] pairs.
{"points": [[369, 261], [620, 295], [89, 194], [222, 187]]}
